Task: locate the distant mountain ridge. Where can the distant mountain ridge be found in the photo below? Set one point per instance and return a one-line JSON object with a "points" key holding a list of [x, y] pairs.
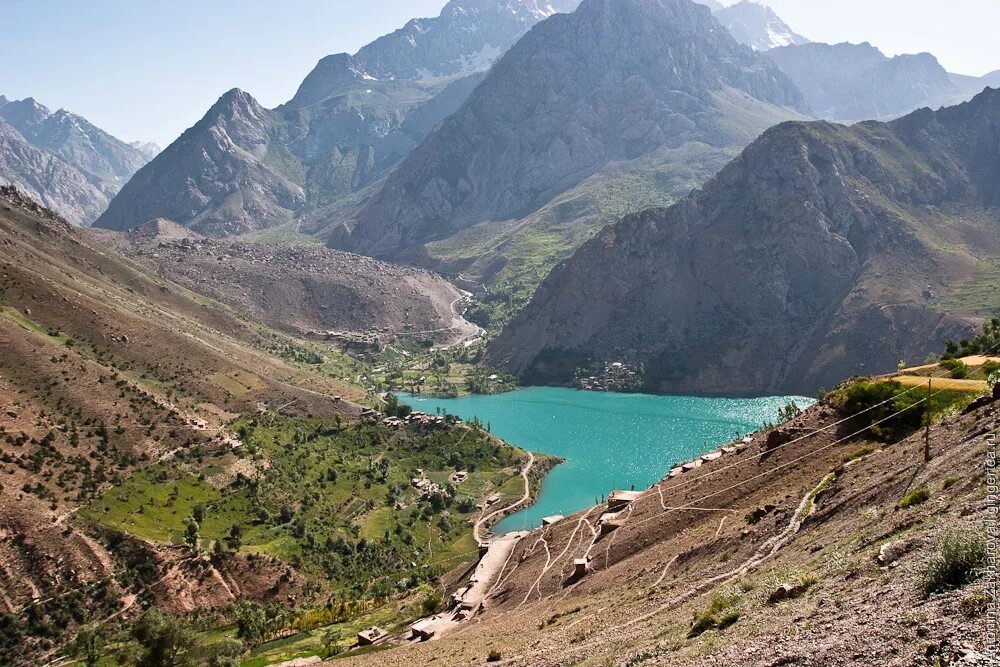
{"points": [[850, 82], [351, 120], [467, 37], [821, 250], [62, 159], [611, 82], [757, 25]]}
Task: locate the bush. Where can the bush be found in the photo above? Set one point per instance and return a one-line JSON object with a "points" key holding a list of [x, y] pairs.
{"points": [[913, 498], [494, 656], [949, 482], [859, 454], [961, 558]]}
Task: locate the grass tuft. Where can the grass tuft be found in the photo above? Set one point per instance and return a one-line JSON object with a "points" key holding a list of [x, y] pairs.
{"points": [[960, 559], [914, 498]]}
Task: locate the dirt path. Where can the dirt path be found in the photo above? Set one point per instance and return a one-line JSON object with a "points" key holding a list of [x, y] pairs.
{"points": [[477, 530], [763, 553]]}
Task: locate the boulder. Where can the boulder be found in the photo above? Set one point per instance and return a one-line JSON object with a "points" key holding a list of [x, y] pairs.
{"points": [[890, 552], [786, 592]]}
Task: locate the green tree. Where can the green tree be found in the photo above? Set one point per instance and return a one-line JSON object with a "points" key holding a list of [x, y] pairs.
{"points": [[235, 538], [89, 644], [331, 641], [192, 533], [165, 641], [252, 622]]}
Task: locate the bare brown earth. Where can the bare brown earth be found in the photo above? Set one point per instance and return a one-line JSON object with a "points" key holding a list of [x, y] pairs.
{"points": [[105, 368], [687, 542], [301, 288]]}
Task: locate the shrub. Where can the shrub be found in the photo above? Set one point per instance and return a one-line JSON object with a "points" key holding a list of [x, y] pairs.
{"points": [[949, 482], [718, 616], [913, 498], [958, 369], [859, 454], [494, 656], [960, 559], [862, 396], [975, 605], [989, 368], [431, 603]]}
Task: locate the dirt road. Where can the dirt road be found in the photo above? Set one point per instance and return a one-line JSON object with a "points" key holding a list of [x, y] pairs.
{"points": [[477, 531]]}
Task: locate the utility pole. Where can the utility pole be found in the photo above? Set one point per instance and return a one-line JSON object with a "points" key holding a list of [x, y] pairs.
{"points": [[927, 424]]}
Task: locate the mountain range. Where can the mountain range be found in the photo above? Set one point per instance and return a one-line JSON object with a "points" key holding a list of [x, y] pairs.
{"points": [[244, 168], [821, 250], [851, 82], [644, 97], [63, 160], [410, 149]]}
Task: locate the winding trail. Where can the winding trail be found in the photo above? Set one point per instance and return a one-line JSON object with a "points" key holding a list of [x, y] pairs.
{"points": [[478, 528], [764, 552]]}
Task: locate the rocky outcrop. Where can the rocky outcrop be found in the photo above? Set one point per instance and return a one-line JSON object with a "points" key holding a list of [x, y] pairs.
{"points": [[858, 82], [63, 160], [612, 82], [812, 256], [756, 25]]}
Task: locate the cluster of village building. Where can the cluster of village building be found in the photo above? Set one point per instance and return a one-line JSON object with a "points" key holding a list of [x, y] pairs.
{"points": [[616, 376], [416, 419]]}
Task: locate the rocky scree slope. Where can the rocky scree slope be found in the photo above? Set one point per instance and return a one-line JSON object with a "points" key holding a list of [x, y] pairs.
{"points": [[611, 84], [300, 289], [820, 251], [244, 168]]}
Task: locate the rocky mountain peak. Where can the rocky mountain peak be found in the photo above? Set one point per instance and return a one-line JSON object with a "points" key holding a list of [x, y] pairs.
{"points": [[235, 102], [148, 148], [72, 166], [241, 118], [755, 24], [467, 37], [614, 80], [24, 113]]}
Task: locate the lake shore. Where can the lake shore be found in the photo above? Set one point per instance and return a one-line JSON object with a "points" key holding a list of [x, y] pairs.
{"points": [[607, 440]]}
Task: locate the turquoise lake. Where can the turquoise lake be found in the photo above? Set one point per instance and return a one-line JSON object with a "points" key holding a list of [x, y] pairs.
{"points": [[609, 441]]}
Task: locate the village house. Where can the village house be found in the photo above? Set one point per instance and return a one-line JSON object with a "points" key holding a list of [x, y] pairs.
{"points": [[619, 500], [371, 636]]}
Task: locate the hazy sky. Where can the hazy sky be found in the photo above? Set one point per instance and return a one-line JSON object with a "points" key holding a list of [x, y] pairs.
{"points": [[148, 69]]}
